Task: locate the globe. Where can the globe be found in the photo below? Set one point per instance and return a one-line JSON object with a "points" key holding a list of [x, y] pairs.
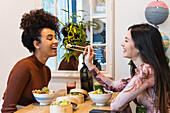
{"points": [[165, 41], [156, 12]]}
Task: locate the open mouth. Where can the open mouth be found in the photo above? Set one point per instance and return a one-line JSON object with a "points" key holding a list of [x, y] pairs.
{"points": [[54, 48]]}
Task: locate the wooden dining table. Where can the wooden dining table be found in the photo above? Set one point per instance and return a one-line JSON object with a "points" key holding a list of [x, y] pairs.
{"points": [[85, 107]]}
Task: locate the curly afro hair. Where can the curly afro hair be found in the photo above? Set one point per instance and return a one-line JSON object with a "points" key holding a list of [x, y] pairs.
{"points": [[33, 22]]}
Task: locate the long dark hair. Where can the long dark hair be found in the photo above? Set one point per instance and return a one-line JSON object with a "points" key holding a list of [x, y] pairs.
{"points": [[148, 41]]}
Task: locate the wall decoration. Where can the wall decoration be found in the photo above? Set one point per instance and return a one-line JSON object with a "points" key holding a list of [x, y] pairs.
{"points": [[156, 12], [165, 41], [99, 6]]}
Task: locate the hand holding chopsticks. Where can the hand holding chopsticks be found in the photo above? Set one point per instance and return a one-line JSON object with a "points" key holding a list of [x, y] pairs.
{"points": [[88, 53], [89, 57]]}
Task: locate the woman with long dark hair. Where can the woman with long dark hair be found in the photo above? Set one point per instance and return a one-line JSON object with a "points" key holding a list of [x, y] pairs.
{"points": [[149, 84]]}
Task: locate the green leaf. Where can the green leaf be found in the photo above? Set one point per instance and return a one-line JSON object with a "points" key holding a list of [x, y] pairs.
{"points": [[85, 25], [78, 16], [76, 57], [68, 59], [64, 10], [82, 10], [63, 56], [68, 20], [61, 45], [84, 16], [130, 62], [62, 24]]}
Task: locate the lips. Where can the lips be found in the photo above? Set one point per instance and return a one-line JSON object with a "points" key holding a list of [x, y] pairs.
{"points": [[124, 50]]}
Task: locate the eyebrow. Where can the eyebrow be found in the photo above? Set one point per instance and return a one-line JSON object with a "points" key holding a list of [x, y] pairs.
{"points": [[49, 35], [127, 38]]}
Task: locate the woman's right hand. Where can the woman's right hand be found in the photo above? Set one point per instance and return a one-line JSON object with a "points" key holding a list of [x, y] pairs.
{"points": [[89, 57]]}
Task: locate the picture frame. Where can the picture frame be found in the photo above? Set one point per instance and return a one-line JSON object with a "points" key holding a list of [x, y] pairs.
{"points": [[99, 6]]}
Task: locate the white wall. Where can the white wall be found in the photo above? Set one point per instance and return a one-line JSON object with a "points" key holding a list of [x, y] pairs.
{"points": [[11, 49], [127, 13]]}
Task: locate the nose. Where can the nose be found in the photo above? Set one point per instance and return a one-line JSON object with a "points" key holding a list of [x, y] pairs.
{"points": [[122, 44], [55, 41]]}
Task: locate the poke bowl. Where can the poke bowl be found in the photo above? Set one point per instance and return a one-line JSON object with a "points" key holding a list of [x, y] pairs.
{"points": [[44, 96], [100, 98]]}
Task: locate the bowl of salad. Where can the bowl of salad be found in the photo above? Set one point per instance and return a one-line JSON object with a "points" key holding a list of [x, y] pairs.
{"points": [[100, 97], [44, 96]]}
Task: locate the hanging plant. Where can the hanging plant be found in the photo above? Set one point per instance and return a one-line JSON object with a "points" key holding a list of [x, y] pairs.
{"points": [[74, 34]]}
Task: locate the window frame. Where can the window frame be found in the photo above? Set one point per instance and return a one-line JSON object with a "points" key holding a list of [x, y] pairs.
{"points": [[110, 32]]}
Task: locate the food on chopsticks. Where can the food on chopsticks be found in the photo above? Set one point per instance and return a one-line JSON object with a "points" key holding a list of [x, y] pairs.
{"points": [[68, 46], [99, 91], [44, 90]]}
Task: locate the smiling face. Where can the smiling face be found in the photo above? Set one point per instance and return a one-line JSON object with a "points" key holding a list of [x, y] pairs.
{"points": [[48, 45], [129, 49]]}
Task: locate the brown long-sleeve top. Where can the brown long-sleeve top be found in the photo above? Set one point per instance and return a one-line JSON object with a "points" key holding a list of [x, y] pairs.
{"points": [[28, 74]]}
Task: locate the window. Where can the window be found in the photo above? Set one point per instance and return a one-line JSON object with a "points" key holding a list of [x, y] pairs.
{"points": [[100, 11]]}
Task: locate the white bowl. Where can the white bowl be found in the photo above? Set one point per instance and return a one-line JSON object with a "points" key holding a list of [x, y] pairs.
{"points": [[44, 99], [100, 99]]}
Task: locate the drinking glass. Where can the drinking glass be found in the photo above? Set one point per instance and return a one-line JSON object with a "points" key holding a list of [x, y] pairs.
{"points": [[70, 85]]}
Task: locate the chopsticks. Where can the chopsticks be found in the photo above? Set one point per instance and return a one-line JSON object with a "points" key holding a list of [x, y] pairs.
{"points": [[79, 46], [80, 50], [69, 47]]}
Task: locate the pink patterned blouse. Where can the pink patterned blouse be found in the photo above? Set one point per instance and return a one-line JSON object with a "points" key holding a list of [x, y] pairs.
{"points": [[139, 86]]}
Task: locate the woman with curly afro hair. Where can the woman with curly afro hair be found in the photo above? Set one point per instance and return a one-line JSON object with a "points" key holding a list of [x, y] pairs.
{"points": [[40, 32]]}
